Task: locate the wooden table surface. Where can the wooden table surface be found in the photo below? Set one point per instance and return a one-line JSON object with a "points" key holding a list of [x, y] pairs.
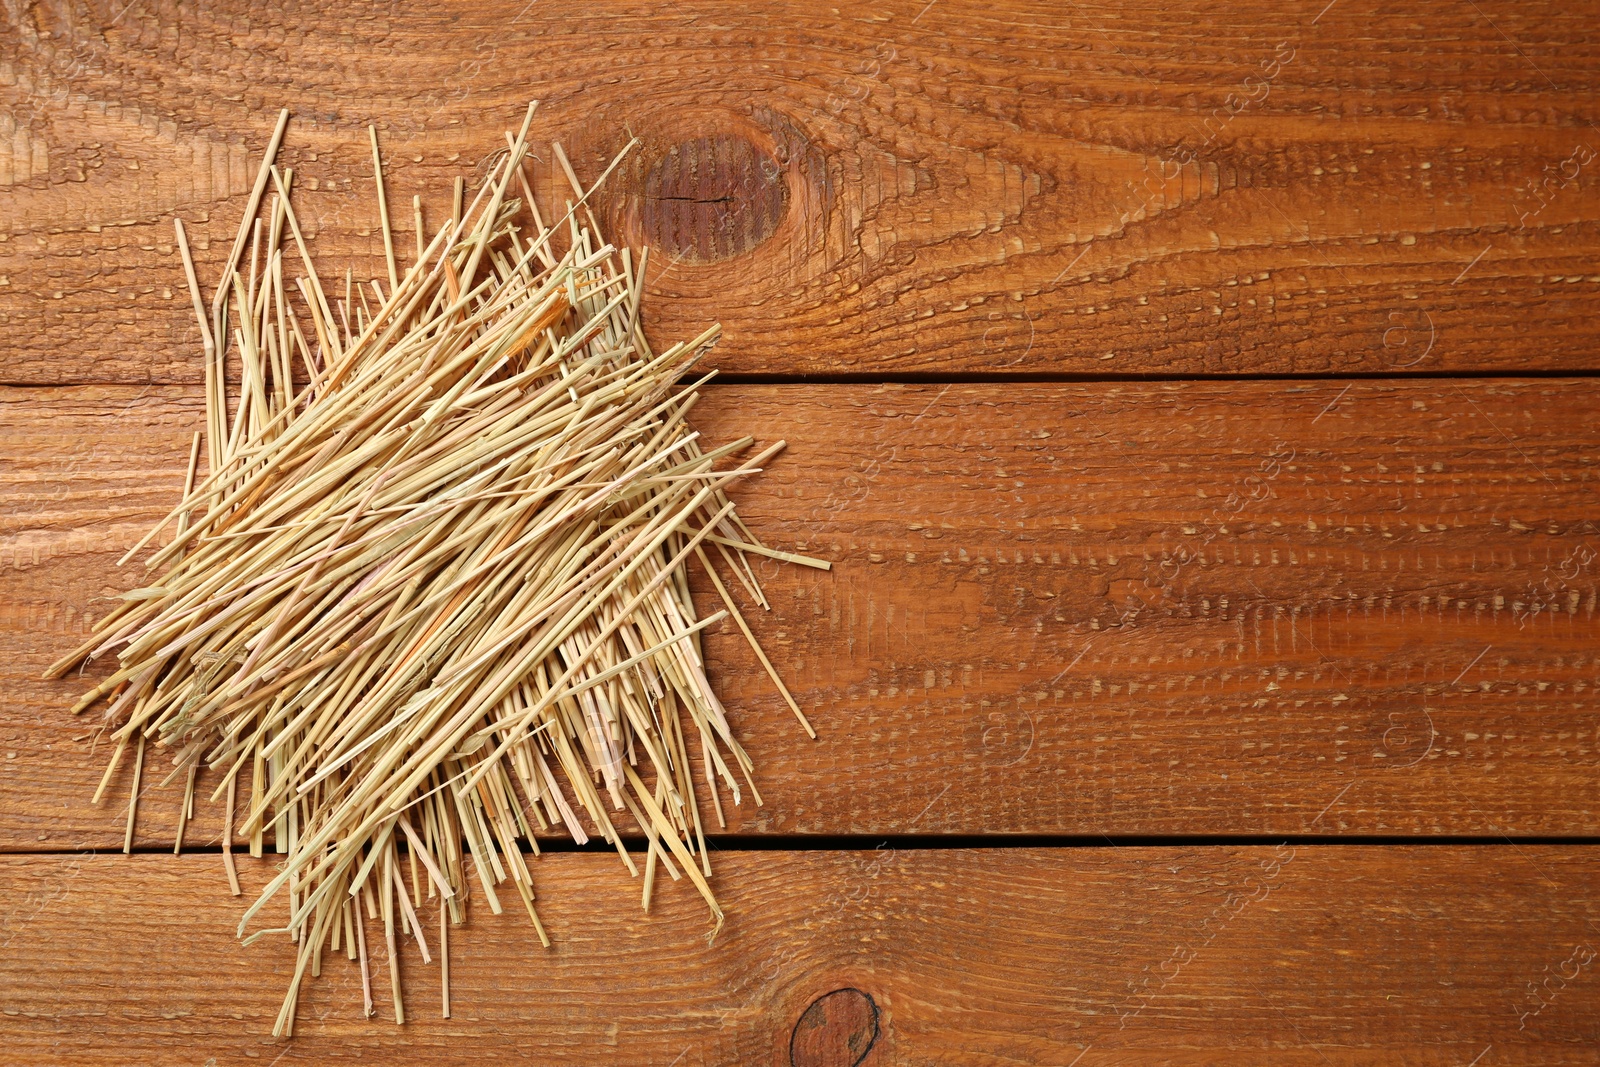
{"points": [[1197, 402]]}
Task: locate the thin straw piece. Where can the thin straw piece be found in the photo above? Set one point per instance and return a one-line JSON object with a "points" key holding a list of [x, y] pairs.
{"points": [[383, 210]]}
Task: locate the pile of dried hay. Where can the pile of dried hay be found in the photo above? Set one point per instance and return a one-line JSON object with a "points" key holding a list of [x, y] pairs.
{"points": [[432, 592]]}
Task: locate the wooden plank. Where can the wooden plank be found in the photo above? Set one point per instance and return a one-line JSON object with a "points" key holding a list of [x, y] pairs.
{"points": [[962, 186], [1361, 607], [1328, 955]]}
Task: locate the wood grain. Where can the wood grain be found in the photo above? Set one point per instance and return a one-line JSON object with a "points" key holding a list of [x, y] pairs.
{"points": [[963, 186], [1367, 607], [1331, 955]]}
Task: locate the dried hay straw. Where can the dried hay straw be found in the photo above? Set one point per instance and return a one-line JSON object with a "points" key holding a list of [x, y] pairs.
{"points": [[431, 595]]}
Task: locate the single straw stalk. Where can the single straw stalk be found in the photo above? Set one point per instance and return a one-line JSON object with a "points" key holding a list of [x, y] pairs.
{"points": [[431, 591]]}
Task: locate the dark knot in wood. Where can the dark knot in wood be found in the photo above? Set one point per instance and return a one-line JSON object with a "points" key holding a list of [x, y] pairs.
{"points": [[711, 198], [837, 1030]]}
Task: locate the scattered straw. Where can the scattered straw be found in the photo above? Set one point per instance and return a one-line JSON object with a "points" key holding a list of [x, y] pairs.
{"points": [[432, 593]]}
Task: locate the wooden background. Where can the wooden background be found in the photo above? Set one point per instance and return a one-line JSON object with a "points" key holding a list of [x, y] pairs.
{"points": [[1197, 403]]}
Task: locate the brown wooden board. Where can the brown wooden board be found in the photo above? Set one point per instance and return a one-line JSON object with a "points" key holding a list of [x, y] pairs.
{"points": [[1308, 955], [906, 187], [1266, 607]]}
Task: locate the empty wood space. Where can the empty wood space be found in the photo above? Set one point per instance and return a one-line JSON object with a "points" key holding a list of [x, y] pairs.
{"points": [[1198, 407]]}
